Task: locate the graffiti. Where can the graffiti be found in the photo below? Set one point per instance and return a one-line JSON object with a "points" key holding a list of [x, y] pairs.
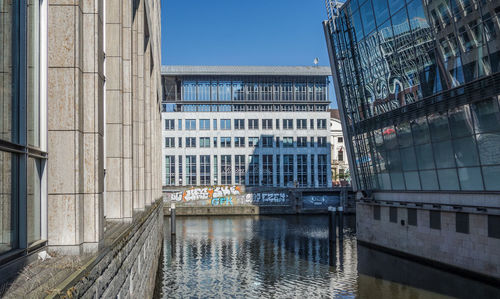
{"points": [[319, 201], [267, 198], [222, 201], [206, 193]]}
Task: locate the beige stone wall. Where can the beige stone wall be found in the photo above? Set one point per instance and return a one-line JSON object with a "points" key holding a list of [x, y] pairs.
{"points": [[101, 116]]}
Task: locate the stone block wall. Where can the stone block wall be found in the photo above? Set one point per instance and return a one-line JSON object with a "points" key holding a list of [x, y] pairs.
{"points": [[127, 267], [474, 251]]}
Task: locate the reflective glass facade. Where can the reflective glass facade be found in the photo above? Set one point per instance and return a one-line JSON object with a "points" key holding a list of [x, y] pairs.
{"points": [[418, 84]]}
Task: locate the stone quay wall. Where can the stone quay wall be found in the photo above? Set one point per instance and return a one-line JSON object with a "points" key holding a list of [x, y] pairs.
{"points": [[473, 253], [127, 267]]}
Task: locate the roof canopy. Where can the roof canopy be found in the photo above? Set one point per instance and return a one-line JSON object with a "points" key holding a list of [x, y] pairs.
{"points": [[190, 70]]}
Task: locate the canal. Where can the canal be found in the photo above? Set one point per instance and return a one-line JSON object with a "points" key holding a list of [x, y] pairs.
{"points": [[290, 256]]}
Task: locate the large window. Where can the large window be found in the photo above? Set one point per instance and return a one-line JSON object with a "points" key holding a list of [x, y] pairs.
{"points": [[225, 124], [253, 124], [301, 124], [288, 170], [239, 169], [190, 124], [190, 141], [267, 170], [226, 172], [204, 170], [253, 170], [278, 170], [253, 141], [267, 141], [288, 124], [204, 141], [204, 124], [225, 142], [321, 124], [169, 124], [301, 141], [239, 124], [191, 170], [239, 141], [169, 142], [22, 154], [322, 170], [287, 141], [267, 124], [179, 159], [216, 170], [170, 170], [302, 170]]}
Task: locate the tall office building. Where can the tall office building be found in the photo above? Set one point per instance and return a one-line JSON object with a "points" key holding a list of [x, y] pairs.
{"points": [[252, 126], [418, 87]]}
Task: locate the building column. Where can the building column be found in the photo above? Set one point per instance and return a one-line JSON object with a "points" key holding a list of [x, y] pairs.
{"points": [[114, 117], [75, 127]]}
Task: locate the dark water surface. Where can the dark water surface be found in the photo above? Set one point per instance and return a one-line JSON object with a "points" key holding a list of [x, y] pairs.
{"points": [[290, 257]]}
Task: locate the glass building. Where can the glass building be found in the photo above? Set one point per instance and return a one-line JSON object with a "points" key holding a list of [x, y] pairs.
{"points": [[418, 83], [22, 146], [246, 125]]}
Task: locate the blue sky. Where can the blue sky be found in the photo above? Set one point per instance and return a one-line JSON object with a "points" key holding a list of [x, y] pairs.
{"points": [[239, 32]]}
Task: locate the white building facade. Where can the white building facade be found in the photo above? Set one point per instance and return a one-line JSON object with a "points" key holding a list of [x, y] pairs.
{"points": [[339, 163], [252, 126]]}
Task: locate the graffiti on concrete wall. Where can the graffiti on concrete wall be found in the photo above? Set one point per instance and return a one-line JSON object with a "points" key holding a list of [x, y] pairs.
{"points": [[319, 201], [227, 196], [267, 198]]}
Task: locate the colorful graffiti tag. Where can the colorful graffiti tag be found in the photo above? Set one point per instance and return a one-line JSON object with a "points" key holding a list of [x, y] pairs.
{"points": [[207, 193]]}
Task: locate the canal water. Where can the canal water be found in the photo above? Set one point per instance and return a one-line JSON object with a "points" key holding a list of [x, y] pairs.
{"points": [[291, 257]]}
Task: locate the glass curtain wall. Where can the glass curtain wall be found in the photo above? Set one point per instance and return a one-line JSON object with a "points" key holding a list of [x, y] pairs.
{"points": [[22, 159]]}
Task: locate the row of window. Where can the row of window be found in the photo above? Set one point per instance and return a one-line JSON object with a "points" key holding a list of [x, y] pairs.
{"points": [[252, 124], [259, 170], [461, 220], [170, 107], [265, 141]]}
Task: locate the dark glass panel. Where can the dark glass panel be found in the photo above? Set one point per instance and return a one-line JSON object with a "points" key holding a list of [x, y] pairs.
{"points": [[443, 153], [470, 178], [492, 178], [412, 180], [395, 5], [8, 200], [486, 116], [381, 10], [460, 120], [466, 151], [390, 139], [6, 70], [367, 17], [429, 180], [408, 159], [424, 156], [404, 135], [448, 179], [358, 28], [33, 202], [420, 130], [489, 148], [397, 181], [438, 126]]}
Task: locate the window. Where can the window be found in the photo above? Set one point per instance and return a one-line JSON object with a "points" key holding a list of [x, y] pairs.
{"points": [[412, 217], [277, 141], [267, 170], [288, 124], [376, 212], [267, 124], [169, 170], [393, 214], [301, 141], [341, 155], [191, 170], [321, 141], [179, 124], [179, 158], [204, 124], [225, 124], [311, 124], [204, 141], [190, 142], [215, 141], [277, 124], [253, 141], [494, 226], [435, 219], [239, 124], [191, 124], [253, 124], [215, 124], [267, 141], [226, 172], [340, 139], [169, 124], [253, 170], [179, 142], [205, 170], [462, 223], [322, 170], [321, 124], [239, 141], [287, 141], [312, 142], [302, 170], [225, 142], [301, 124], [239, 169], [288, 170], [169, 142], [216, 170]]}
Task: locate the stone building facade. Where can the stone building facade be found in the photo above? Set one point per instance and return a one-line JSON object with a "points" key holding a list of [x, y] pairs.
{"points": [[87, 151], [340, 166]]}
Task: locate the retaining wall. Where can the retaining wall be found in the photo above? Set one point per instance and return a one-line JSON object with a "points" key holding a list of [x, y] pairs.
{"points": [[125, 268]]}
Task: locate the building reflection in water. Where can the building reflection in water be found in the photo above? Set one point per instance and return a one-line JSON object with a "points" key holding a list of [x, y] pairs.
{"points": [[290, 256]]}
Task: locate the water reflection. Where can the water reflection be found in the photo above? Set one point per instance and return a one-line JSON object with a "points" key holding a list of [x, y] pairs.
{"points": [[291, 256]]}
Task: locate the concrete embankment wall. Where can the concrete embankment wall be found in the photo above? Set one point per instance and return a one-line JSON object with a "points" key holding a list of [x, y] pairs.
{"points": [[432, 236], [241, 200], [125, 268]]}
